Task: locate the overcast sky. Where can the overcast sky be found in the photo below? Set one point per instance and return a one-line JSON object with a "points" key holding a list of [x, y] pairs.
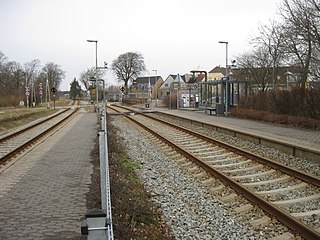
{"points": [[174, 36]]}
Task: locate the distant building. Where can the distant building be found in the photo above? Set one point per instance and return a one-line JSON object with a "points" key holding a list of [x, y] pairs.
{"points": [[140, 87], [172, 81], [216, 73]]}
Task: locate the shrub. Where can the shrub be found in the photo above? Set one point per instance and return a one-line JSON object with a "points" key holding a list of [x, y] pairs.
{"points": [[297, 102], [298, 107], [9, 100]]}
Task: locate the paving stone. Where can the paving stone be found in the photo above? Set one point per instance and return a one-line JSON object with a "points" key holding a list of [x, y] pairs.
{"points": [[45, 191]]}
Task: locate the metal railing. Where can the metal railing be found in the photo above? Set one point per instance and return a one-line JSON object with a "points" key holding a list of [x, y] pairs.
{"points": [[104, 171], [98, 223]]}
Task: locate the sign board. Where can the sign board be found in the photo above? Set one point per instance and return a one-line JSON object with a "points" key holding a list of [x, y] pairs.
{"points": [[27, 91], [53, 89]]}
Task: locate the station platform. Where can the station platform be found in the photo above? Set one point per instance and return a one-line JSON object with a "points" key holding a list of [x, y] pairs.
{"points": [[43, 194], [304, 138]]}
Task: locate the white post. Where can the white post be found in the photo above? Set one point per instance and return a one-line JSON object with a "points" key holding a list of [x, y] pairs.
{"points": [[227, 88]]}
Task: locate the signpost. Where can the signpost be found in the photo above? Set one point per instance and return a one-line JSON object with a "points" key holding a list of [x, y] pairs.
{"points": [[54, 90]]}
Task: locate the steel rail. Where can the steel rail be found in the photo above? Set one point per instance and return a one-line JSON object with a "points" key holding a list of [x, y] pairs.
{"points": [[26, 144], [292, 149], [32, 126], [265, 161], [275, 211]]}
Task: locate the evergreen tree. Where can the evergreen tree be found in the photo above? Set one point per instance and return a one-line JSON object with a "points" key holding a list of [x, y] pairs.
{"points": [[75, 89]]}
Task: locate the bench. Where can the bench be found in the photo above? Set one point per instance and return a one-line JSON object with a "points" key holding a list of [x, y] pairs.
{"points": [[212, 110]]}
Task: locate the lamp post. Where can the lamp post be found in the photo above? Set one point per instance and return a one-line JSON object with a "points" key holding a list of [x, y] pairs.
{"points": [[96, 42], [156, 71], [227, 88]]}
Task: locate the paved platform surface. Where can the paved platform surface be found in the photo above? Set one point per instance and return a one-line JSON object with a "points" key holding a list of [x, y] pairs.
{"points": [[43, 195], [304, 138]]}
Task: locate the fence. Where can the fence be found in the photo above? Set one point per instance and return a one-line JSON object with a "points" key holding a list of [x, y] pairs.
{"points": [[98, 223]]}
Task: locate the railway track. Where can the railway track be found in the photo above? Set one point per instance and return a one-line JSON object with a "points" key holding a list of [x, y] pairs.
{"points": [[289, 195], [16, 142]]}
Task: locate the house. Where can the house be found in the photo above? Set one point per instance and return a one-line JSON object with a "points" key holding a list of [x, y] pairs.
{"points": [[216, 73], [145, 87], [173, 82], [164, 89], [196, 79]]}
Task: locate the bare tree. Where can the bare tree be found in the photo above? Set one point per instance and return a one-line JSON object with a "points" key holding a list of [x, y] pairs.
{"points": [[31, 70], [30, 79], [86, 75], [257, 67], [14, 78], [11, 76], [315, 30], [294, 39], [3, 58], [301, 31], [271, 39], [128, 66], [113, 89], [53, 73]]}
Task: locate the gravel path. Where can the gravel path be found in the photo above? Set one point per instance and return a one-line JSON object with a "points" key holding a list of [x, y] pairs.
{"points": [[191, 210]]}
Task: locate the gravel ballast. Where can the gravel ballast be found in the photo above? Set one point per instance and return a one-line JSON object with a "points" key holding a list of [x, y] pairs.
{"points": [[189, 208]]}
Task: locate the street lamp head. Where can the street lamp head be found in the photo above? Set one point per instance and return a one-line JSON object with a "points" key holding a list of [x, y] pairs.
{"points": [[92, 41], [223, 42]]}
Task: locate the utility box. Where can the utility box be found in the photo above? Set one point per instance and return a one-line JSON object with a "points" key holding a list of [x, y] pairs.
{"points": [[95, 225]]}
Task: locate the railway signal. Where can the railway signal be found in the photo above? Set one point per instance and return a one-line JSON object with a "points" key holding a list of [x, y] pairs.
{"points": [[123, 90], [40, 91], [27, 93], [54, 90]]}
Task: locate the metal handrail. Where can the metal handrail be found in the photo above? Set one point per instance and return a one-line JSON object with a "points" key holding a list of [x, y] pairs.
{"points": [[104, 172]]}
